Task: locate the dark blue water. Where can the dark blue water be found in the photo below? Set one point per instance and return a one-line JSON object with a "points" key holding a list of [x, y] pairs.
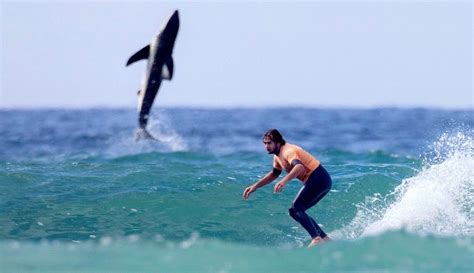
{"points": [[51, 133]]}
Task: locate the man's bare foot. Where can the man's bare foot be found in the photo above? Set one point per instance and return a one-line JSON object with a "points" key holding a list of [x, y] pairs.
{"points": [[327, 239], [315, 241]]}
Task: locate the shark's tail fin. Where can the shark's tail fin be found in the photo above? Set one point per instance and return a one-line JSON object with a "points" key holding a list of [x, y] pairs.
{"points": [[142, 134]]}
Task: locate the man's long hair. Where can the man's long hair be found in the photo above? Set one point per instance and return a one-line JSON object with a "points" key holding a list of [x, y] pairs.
{"points": [[275, 135]]}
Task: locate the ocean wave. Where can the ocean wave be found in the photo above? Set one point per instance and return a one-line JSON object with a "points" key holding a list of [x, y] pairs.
{"points": [[438, 200], [402, 252]]}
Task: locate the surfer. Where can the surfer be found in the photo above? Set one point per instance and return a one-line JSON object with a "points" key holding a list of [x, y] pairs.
{"points": [[302, 165]]}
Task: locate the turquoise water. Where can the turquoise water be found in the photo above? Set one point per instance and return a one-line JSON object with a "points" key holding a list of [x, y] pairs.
{"points": [[391, 252], [78, 194]]}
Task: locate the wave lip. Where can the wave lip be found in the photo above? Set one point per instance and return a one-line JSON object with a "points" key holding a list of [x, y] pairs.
{"points": [[439, 200]]}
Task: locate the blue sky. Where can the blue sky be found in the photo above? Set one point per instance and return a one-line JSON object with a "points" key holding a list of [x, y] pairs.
{"points": [[251, 54]]}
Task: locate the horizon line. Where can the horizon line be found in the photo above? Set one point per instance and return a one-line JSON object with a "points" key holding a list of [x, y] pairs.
{"points": [[237, 107]]}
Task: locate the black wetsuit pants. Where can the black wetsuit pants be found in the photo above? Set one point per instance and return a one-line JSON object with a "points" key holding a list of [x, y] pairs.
{"points": [[316, 187]]}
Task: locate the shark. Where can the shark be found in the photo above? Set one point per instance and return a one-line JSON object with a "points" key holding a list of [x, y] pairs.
{"points": [[160, 67]]}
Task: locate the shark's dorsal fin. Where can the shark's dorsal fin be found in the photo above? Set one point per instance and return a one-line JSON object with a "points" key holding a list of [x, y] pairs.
{"points": [[167, 70], [142, 54]]}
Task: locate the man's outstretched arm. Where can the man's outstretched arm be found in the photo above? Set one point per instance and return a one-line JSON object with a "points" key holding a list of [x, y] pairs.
{"points": [[295, 172], [268, 178]]}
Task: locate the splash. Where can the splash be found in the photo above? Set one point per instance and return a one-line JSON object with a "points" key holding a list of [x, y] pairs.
{"points": [[161, 129], [439, 200]]}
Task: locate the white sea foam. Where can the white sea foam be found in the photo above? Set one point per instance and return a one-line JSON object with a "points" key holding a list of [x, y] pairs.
{"points": [[439, 200], [160, 128], [193, 239], [164, 132]]}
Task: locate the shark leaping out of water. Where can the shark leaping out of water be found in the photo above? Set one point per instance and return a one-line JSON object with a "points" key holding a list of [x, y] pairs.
{"points": [[160, 67]]}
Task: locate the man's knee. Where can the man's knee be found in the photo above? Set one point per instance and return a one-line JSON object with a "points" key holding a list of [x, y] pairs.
{"points": [[295, 212]]}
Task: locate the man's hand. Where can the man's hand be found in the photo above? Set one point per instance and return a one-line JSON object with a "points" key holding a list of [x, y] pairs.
{"points": [[279, 186], [248, 191], [297, 170]]}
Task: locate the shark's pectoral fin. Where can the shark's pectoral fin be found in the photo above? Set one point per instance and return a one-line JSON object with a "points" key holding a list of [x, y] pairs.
{"points": [[167, 70], [142, 54]]}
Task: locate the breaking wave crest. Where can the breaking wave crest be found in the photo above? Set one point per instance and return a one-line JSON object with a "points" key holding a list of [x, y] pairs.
{"points": [[439, 200]]}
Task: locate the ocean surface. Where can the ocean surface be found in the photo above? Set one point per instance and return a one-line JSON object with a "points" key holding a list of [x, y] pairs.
{"points": [[79, 194]]}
